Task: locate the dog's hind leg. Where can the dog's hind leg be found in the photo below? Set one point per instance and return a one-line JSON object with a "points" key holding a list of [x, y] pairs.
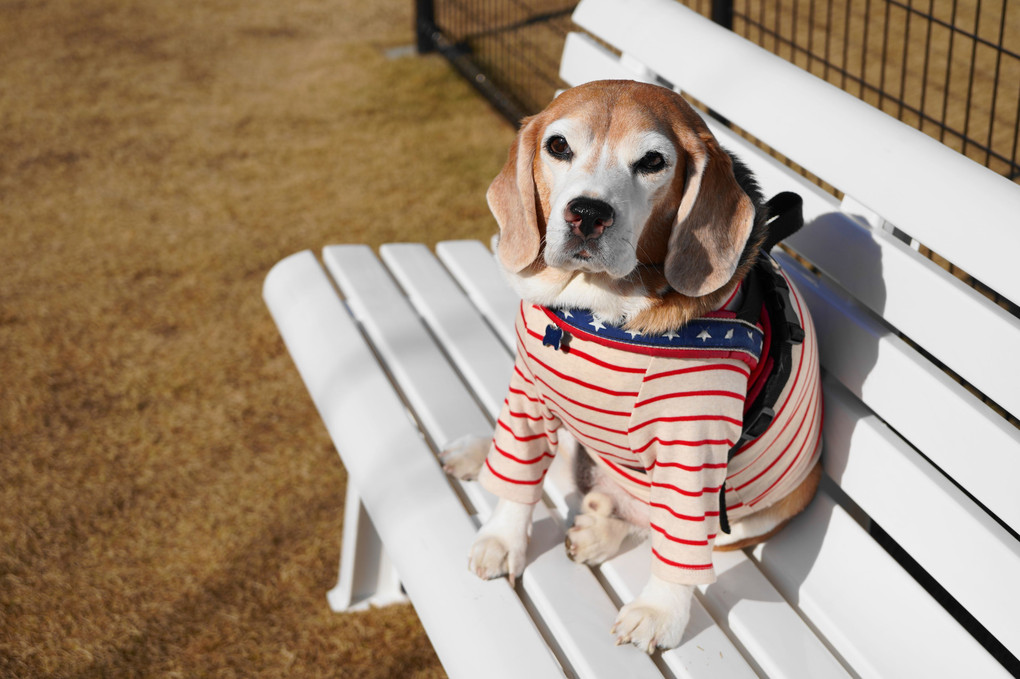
{"points": [[607, 514], [596, 534]]}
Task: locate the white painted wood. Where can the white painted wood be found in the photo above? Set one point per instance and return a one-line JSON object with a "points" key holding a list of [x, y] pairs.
{"points": [[924, 188], [569, 599], [475, 268], [355, 398], [925, 513], [584, 60], [576, 608], [367, 578], [773, 634], [628, 573], [875, 221], [872, 612], [461, 332], [705, 650], [410, 353], [377, 303], [951, 320], [957, 432]]}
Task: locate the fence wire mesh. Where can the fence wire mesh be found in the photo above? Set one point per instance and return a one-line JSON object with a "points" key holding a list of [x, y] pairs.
{"points": [[951, 68]]}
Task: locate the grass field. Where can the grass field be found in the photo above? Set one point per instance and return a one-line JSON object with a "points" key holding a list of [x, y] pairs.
{"points": [[170, 504]]}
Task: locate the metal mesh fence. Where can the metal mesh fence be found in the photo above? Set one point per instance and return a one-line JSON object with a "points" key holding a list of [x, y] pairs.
{"points": [[948, 67], [510, 49], [951, 68]]}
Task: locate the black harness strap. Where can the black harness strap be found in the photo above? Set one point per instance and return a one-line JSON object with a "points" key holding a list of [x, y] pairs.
{"points": [[767, 287], [785, 217]]}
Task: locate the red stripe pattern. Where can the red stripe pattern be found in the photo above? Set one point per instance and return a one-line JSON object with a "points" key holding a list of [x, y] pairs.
{"points": [[674, 417]]}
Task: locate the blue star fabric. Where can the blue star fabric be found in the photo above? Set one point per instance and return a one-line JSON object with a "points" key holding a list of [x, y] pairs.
{"points": [[707, 334]]}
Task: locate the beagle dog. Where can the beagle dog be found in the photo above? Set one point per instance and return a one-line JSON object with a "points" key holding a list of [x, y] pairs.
{"points": [[637, 245]]}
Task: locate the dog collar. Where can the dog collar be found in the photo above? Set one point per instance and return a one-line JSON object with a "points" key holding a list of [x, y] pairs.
{"points": [[717, 335]]}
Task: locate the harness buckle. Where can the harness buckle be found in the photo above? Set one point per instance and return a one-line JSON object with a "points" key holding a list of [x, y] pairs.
{"points": [[760, 424]]}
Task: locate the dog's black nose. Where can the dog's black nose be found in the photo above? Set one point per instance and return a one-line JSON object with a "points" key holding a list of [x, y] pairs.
{"points": [[588, 217]]}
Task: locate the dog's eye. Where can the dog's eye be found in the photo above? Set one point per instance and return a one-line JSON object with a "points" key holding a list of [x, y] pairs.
{"points": [[651, 163], [558, 147]]}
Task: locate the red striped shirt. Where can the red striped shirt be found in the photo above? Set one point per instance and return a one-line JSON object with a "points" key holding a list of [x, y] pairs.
{"points": [[674, 417]]}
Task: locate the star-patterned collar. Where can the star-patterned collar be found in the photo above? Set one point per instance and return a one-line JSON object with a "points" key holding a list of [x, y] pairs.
{"points": [[718, 335]]}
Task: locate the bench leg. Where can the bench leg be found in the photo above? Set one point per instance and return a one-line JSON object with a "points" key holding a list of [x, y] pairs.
{"points": [[367, 578]]}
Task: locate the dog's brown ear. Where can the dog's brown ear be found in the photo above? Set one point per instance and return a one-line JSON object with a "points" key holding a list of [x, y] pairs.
{"points": [[714, 219], [512, 200]]}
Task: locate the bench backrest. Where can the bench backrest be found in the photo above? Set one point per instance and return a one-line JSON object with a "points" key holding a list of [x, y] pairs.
{"points": [[922, 397]]}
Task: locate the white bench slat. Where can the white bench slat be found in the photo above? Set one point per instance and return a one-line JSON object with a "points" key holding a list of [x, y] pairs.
{"points": [[458, 326], [569, 599], [776, 637], [628, 572], [874, 614], [368, 288], [936, 508], [916, 398], [584, 60], [839, 137], [408, 352], [470, 260], [350, 390], [951, 320], [481, 356], [578, 611], [925, 513], [706, 649]]}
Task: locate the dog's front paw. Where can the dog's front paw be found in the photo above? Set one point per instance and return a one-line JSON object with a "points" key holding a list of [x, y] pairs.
{"points": [[491, 557], [502, 543], [657, 618], [464, 457]]}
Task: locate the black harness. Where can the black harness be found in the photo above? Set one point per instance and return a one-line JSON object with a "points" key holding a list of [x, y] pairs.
{"points": [[767, 302]]}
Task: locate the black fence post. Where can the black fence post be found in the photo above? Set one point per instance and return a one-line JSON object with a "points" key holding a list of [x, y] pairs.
{"points": [[722, 13], [425, 25]]}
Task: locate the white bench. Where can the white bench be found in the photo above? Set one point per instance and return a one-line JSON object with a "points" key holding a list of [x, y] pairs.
{"points": [[905, 565]]}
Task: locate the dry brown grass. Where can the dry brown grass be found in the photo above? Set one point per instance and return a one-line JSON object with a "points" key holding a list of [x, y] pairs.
{"points": [[170, 504]]}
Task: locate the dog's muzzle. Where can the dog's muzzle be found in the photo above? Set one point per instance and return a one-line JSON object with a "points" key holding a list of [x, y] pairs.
{"points": [[588, 217]]}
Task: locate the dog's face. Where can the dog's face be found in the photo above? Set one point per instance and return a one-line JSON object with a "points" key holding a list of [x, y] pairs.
{"points": [[615, 177], [598, 183]]}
